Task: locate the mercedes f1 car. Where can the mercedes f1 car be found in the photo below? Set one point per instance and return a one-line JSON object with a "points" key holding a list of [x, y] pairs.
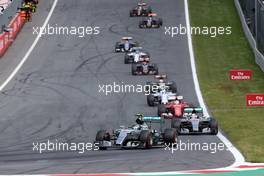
{"points": [[193, 121], [137, 56], [151, 21], [162, 81], [140, 10], [140, 135], [162, 96], [144, 68], [125, 45]]}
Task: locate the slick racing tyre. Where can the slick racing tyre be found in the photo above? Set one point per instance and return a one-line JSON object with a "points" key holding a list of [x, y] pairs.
{"points": [[156, 69], [102, 135], [160, 22], [173, 87], [161, 109], [127, 61], [213, 126], [141, 24], [176, 123], [134, 69], [145, 138], [170, 136], [151, 100]]}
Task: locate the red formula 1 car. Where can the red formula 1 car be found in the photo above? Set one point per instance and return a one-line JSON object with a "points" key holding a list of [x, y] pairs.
{"points": [[173, 109]]}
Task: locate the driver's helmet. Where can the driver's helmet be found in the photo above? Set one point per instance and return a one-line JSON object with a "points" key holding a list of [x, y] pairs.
{"points": [[161, 81], [144, 63], [139, 119], [137, 51], [177, 102], [194, 115]]}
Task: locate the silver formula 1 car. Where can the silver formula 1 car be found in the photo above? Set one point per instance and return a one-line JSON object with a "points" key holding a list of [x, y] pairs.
{"points": [[151, 22], [140, 10], [136, 56], [162, 96], [193, 121], [161, 81], [139, 135], [125, 45]]}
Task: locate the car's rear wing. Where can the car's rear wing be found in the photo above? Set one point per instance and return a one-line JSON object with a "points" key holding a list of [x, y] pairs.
{"points": [[153, 119], [142, 4], [152, 14], [175, 97], [164, 76], [127, 38], [190, 110], [137, 48]]}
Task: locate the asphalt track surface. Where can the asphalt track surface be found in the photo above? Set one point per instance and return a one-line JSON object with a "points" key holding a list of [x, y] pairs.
{"points": [[55, 94]]}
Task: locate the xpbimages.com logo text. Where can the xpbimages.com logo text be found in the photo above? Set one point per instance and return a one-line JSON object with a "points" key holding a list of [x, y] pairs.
{"points": [[79, 31]]}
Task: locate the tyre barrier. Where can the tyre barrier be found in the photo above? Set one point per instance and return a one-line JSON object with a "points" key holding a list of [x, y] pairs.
{"points": [[8, 36]]}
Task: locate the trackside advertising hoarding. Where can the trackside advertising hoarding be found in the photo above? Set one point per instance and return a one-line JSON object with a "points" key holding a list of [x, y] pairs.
{"points": [[254, 100]]}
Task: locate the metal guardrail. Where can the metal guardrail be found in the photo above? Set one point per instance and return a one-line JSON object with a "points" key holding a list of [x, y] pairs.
{"points": [[9, 13], [252, 19]]}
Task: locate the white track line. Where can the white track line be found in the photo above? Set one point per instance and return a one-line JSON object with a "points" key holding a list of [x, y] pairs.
{"points": [[239, 158], [24, 59]]}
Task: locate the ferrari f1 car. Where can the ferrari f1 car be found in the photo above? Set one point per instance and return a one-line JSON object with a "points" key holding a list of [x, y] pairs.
{"points": [[151, 21], [162, 96], [193, 121], [136, 56], [144, 68], [162, 81], [173, 109], [125, 45], [140, 10], [140, 135]]}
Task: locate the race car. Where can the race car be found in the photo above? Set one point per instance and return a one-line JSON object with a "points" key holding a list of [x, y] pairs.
{"points": [[173, 109], [193, 121], [140, 10], [151, 21], [136, 56], [162, 96], [144, 68], [162, 81], [139, 135], [125, 45]]}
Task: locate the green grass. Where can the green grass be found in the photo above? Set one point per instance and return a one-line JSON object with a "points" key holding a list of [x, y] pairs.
{"points": [[214, 58]]}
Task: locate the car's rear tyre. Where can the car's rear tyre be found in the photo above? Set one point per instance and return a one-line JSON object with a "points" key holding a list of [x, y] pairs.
{"points": [[146, 139], [173, 87], [214, 126], [140, 25], [149, 10], [126, 60], [131, 14], [156, 69], [176, 123], [134, 69], [151, 100], [102, 135], [161, 109], [170, 136], [160, 22]]}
